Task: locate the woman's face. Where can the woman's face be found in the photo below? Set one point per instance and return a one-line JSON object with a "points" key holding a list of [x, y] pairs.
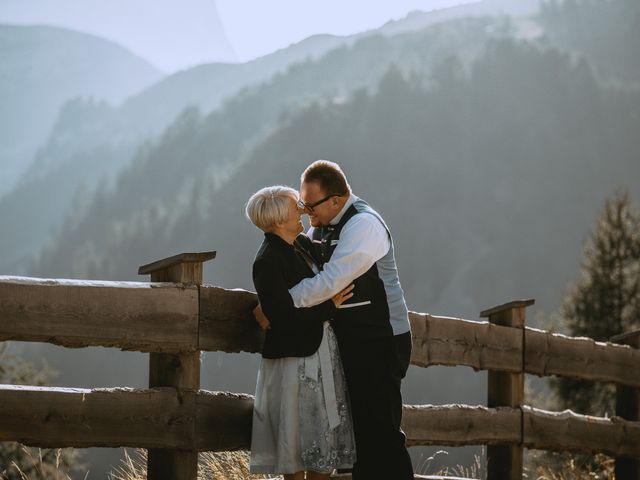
{"points": [[293, 225]]}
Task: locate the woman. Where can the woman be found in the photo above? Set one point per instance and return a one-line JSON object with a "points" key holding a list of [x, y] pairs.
{"points": [[301, 418]]}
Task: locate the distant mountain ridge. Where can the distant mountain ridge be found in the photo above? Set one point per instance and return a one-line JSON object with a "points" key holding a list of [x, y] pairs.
{"points": [[92, 140], [42, 67], [206, 86], [417, 20]]}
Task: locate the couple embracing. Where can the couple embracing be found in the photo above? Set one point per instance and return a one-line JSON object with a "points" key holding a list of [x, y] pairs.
{"points": [[337, 341]]}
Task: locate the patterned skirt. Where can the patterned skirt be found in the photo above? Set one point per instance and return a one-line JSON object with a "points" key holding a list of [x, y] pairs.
{"points": [[301, 415]]}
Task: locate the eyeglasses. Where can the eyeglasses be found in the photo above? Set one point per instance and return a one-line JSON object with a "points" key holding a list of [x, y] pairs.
{"points": [[310, 206]]}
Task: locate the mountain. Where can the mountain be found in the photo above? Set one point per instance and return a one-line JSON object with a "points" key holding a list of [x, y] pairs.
{"points": [[605, 32], [43, 67], [79, 151], [418, 20], [92, 140], [206, 86]]}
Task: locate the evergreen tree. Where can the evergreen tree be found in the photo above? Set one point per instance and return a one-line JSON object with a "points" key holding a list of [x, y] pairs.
{"points": [[606, 300]]}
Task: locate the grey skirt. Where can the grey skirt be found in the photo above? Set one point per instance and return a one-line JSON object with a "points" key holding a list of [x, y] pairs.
{"points": [[301, 415]]}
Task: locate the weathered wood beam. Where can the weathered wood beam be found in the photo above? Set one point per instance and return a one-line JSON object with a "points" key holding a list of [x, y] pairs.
{"points": [[226, 320], [458, 425], [569, 431], [580, 357], [166, 317], [506, 389], [181, 370], [224, 421], [453, 341], [113, 417], [146, 317], [165, 418]]}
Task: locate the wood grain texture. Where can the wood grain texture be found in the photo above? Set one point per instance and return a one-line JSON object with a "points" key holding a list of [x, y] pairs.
{"points": [[114, 417], [458, 425], [224, 421], [227, 322], [453, 341], [580, 357], [569, 431], [217, 421], [166, 317], [506, 389], [163, 418], [146, 317]]}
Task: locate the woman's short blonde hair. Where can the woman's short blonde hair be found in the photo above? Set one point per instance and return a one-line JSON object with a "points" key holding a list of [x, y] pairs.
{"points": [[270, 205]]}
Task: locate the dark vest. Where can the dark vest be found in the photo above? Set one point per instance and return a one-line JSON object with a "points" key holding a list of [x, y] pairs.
{"points": [[366, 314]]}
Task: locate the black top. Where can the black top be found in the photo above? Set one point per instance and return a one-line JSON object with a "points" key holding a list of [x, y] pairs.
{"points": [[295, 332]]}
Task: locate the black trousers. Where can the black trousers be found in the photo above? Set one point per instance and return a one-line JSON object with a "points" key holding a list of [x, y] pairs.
{"points": [[374, 369]]}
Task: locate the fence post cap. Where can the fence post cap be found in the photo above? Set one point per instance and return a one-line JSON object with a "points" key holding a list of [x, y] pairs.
{"points": [[165, 263], [507, 306]]}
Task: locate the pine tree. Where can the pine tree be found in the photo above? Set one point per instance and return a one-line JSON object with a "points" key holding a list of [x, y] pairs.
{"points": [[606, 299]]}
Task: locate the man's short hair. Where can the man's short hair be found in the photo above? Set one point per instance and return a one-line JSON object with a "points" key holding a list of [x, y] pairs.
{"points": [[270, 205], [329, 176]]}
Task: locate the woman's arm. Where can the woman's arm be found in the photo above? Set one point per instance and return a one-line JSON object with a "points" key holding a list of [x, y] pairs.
{"points": [[277, 304]]}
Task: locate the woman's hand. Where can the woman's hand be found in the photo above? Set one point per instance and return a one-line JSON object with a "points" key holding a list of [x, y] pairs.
{"points": [[342, 296], [261, 318]]}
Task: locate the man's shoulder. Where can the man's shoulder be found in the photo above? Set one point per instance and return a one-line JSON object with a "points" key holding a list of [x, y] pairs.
{"points": [[366, 219]]}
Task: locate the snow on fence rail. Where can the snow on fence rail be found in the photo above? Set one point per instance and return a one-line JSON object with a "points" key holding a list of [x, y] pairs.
{"points": [[176, 316]]}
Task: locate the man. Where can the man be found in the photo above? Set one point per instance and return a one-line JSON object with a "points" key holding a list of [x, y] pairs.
{"points": [[372, 328]]}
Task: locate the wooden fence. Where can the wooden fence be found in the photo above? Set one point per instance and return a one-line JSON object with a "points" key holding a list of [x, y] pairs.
{"points": [[175, 317]]}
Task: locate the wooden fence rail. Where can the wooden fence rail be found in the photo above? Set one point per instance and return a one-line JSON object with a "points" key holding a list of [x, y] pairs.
{"points": [[175, 317], [221, 421]]}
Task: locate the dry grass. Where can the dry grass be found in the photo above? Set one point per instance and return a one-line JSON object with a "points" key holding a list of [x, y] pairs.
{"points": [[474, 470], [564, 466], [211, 466], [27, 463]]}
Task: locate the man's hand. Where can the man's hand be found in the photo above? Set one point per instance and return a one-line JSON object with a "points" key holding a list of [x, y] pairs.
{"points": [[261, 318]]}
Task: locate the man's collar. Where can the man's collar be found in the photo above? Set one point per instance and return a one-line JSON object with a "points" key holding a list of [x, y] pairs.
{"points": [[335, 220]]}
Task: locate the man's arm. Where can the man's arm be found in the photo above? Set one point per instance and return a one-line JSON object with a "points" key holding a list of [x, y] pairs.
{"points": [[276, 302], [363, 241]]}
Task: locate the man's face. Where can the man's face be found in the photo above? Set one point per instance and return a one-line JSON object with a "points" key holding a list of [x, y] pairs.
{"points": [[322, 214]]}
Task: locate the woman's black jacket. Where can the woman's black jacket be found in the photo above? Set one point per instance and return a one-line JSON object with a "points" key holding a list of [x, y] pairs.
{"points": [[295, 332]]}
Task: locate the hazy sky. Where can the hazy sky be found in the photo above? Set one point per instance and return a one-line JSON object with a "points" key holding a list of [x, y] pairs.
{"points": [[174, 35]]}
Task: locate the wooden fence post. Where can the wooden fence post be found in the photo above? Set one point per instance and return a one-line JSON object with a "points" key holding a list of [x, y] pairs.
{"points": [[175, 370], [504, 462], [628, 407]]}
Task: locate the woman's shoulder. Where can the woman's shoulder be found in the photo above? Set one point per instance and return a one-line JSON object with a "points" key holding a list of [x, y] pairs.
{"points": [[304, 240], [267, 257]]}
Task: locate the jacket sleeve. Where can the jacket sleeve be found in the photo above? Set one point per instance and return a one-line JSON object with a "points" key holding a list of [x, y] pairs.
{"points": [[277, 304]]}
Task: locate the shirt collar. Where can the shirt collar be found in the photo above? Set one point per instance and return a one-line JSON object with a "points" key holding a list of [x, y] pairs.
{"points": [[335, 220]]}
